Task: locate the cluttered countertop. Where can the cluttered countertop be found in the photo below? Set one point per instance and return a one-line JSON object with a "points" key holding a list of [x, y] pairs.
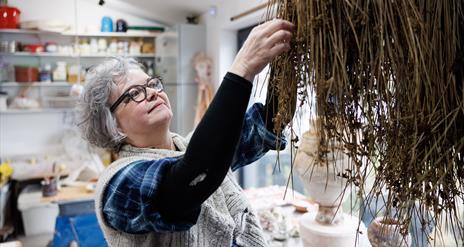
{"points": [[279, 209]]}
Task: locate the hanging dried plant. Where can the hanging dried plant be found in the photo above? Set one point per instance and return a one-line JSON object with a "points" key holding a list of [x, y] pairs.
{"points": [[388, 81]]}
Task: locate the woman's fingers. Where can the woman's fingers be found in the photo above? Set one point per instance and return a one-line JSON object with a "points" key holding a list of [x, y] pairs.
{"points": [[263, 44], [281, 36], [273, 26], [279, 49]]}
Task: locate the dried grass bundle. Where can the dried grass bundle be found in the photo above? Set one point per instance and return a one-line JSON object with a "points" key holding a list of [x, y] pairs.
{"points": [[388, 81]]}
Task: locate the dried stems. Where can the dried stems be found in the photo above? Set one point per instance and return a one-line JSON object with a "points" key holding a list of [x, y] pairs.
{"points": [[388, 81]]}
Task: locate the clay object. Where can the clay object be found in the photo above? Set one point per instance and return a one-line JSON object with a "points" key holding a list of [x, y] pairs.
{"points": [[386, 232]]}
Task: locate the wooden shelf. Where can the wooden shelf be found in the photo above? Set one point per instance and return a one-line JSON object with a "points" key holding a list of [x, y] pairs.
{"points": [[47, 54]]}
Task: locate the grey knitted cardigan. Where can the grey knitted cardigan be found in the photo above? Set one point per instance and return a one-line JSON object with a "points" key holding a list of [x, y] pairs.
{"points": [[225, 216]]}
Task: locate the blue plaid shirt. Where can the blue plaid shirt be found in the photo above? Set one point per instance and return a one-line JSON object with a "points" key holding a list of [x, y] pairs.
{"points": [[131, 192]]}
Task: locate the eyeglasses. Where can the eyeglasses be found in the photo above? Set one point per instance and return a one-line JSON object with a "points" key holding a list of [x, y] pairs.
{"points": [[138, 93]]}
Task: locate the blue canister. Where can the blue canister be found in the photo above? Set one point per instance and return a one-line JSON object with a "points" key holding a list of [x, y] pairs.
{"points": [[107, 24]]}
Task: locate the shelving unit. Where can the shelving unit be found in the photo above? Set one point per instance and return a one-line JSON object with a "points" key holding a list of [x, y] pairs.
{"points": [[136, 34], [36, 111], [25, 31], [117, 35], [49, 54], [39, 90], [35, 84], [174, 50]]}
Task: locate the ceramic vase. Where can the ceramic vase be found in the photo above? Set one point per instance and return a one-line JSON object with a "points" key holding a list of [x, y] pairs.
{"points": [[322, 178], [324, 184], [385, 232]]}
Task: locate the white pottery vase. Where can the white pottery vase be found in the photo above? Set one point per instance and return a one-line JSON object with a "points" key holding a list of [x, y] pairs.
{"points": [[385, 232], [323, 184]]}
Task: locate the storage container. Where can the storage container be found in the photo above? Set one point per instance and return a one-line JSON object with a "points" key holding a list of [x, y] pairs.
{"points": [[61, 72], [38, 216], [26, 73], [9, 17], [46, 73]]}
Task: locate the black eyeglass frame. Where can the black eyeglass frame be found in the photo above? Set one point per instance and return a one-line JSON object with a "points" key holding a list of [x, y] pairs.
{"points": [[144, 90]]}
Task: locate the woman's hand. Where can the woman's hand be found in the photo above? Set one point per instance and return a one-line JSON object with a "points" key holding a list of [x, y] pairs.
{"points": [[265, 42]]}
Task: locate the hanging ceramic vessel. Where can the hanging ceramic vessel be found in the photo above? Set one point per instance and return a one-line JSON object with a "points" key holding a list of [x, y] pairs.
{"points": [[386, 232]]}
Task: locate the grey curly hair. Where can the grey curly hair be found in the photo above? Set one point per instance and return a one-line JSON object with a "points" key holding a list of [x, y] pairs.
{"points": [[96, 122]]}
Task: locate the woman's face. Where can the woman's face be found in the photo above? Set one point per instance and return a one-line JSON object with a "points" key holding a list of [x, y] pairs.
{"points": [[144, 118]]}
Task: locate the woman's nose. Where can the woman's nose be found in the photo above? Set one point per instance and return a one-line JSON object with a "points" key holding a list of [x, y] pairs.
{"points": [[152, 94]]}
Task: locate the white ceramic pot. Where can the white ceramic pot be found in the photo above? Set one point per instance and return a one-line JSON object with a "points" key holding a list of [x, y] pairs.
{"points": [[325, 185], [385, 232], [322, 179]]}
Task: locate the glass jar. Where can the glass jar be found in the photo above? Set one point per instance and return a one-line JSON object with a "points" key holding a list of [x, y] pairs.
{"points": [[60, 72], [46, 73]]}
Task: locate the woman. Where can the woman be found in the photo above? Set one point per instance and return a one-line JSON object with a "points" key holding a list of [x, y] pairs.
{"points": [[163, 190]]}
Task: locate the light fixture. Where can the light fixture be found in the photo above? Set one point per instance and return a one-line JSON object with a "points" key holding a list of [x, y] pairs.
{"points": [[212, 10]]}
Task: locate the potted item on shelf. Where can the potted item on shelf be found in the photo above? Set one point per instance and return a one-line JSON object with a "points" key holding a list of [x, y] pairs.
{"points": [[84, 46], [34, 48], [60, 72], [106, 24], [66, 50], [135, 47], [113, 47], [121, 25], [123, 47], [9, 17], [46, 73], [4, 45], [102, 45], [9, 46], [6, 71], [93, 46], [26, 73], [51, 47], [73, 73], [148, 48]]}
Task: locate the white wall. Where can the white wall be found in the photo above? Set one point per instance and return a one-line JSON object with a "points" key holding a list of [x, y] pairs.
{"points": [[88, 13], [222, 33]]}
